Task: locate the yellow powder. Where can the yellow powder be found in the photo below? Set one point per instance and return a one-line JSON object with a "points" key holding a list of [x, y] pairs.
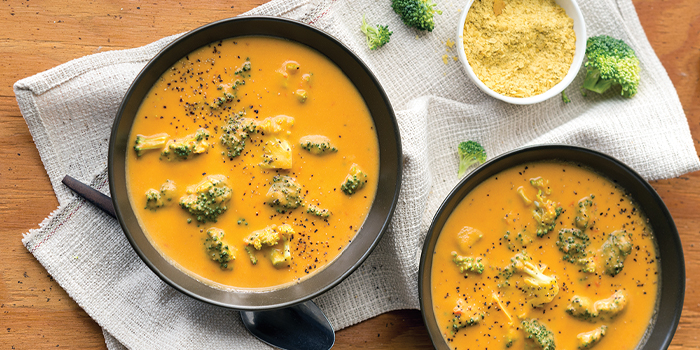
{"points": [[522, 52]]}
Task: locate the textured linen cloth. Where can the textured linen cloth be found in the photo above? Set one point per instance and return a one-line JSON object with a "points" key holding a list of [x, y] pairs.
{"points": [[70, 109]]}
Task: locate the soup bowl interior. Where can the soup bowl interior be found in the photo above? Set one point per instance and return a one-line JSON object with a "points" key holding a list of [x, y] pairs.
{"points": [[670, 253], [389, 163]]}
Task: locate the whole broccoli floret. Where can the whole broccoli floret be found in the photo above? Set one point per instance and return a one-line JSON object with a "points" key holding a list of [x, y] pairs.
{"points": [[611, 62], [156, 199], [234, 134], [468, 264], [462, 318], [583, 212], [541, 288], [314, 210], [376, 37], [317, 144], [614, 251], [539, 333], [517, 263], [573, 243], [217, 249], [271, 236], [181, 149], [546, 213], [470, 153], [284, 193], [146, 143], [207, 199], [604, 309], [355, 180], [416, 13], [587, 340]]}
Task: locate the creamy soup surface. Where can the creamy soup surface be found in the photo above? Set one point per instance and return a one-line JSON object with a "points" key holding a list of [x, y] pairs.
{"points": [[255, 163], [595, 292]]}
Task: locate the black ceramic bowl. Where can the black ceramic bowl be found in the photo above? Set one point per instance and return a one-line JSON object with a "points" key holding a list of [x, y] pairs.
{"points": [[670, 251], [389, 170]]}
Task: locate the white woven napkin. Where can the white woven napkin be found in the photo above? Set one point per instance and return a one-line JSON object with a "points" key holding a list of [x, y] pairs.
{"points": [[69, 110]]}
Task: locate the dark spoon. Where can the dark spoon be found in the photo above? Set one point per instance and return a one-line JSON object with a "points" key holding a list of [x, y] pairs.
{"points": [[298, 327]]}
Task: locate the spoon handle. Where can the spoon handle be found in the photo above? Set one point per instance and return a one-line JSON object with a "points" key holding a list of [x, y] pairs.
{"points": [[90, 194]]}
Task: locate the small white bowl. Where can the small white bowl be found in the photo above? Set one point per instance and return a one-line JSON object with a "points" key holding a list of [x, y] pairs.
{"points": [[573, 11]]}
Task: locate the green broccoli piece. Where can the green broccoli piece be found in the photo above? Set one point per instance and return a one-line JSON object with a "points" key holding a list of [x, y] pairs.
{"points": [[587, 340], [217, 249], [583, 212], [301, 95], [470, 153], [147, 143], [271, 236], [228, 94], [317, 144], [314, 210], [539, 333], [207, 199], [602, 310], [541, 288], [234, 134], [284, 193], [517, 263], [376, 37], [546, 213], [611, 62], [245, 67], [196, 143], [461, 320], [614, 251], [416, 13], [468, 264], [564, 97], [156, 199], [573, 243], [355, 180]]}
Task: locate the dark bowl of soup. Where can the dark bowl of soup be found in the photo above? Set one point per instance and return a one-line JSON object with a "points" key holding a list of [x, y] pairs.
{"points": [[552, 246], [254, 163]]}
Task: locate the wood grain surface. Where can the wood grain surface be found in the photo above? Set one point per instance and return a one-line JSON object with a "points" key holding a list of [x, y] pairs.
{"points": [[35, 313]]}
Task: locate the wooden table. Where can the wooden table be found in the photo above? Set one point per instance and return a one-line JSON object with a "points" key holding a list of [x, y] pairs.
{"points": [[35, 313]]}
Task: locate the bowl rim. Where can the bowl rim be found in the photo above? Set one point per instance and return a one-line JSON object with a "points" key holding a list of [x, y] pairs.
{"points": [[390, 150], [556, 89], [666, 317]]}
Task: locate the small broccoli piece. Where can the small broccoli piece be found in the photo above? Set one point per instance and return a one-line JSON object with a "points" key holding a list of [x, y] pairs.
{"points": [[217, 249], [207, 199], [564, 97], [314, 210], [181, 149], [245, 67], [228, 94], [583, 208], [156, 199], [416, 13], [271, 236], [251, 255], [539, 333], [521, 192], [604, 309], [541, 288], [573, 243], [468, 264], [147, 143], [461, 320], [467, 237], [587, 340], [517, 263], [611, 62], [235, 133], [275, 125], [376, 37], [355, 180], [542, 185], [317, 144], [277, 154], [614, 251], [470, 153], [546, 214], [284, 193], [301, 95]]}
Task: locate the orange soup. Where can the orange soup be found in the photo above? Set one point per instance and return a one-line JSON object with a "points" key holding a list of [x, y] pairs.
{"points": [[545, 255], [255, 162]]}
